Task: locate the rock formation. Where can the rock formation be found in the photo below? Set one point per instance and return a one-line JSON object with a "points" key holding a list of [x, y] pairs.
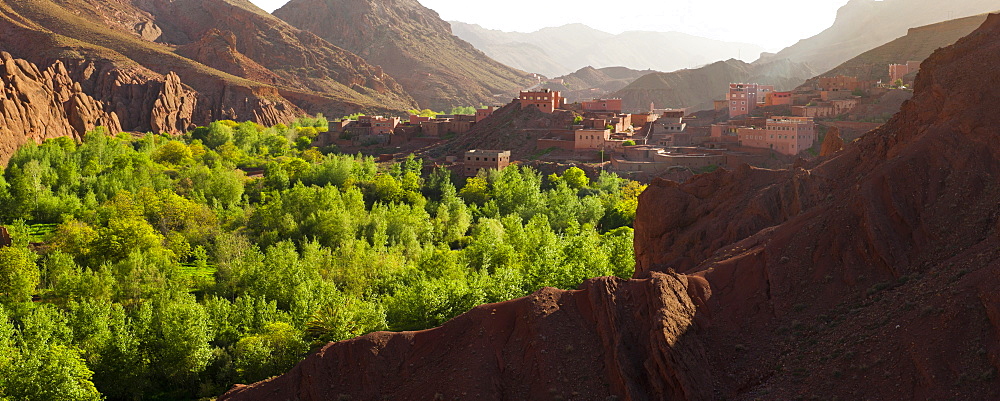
{"points": [[413, 45], [868, 274], [832, 143], [164, 65], [40, 104], [608, 338]]}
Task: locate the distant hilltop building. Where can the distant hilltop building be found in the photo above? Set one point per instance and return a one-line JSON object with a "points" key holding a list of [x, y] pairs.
{"points": [[477, 159], [483, 113], [898, 71], [840, 83], [742, 99], [603, 106], [545, 100]]}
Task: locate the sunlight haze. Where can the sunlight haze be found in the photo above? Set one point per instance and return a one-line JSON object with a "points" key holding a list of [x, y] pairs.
{"points": [[772, 24]]}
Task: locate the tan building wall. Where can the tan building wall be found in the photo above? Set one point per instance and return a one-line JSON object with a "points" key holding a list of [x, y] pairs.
{"points": [[477, 159], [547, 101], [785, 135]]}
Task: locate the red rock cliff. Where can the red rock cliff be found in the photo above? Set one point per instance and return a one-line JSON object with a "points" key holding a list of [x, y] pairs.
{"points": [[40, 104], [610, 338]]}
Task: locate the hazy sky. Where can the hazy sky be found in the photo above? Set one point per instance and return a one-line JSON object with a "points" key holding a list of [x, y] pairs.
{"points": [[772, 24]]}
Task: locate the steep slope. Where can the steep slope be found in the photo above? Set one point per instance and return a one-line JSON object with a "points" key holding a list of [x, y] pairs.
{"points": [[862, 25], [413, 45], [876, 267], [571, 47], [585, 344], [870, 274], [234, 61], [697, 88], [917, 45]]}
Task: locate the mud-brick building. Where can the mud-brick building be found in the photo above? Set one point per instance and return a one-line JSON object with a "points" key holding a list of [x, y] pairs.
{"points": [[478, 159], [545, 100]]}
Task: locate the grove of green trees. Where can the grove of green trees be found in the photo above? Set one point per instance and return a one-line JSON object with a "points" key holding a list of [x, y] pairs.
{"points": [[156, 267]]}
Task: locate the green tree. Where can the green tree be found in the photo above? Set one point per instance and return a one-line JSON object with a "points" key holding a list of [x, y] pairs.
{"points": [[576, 178], [272, 352], [18, 274], [173, 152]]}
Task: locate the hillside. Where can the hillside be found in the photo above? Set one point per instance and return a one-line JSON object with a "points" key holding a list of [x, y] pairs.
{"points": [[413, 45], [862, 25], [561, 50], [917, 45], [590, 83], [236, 61], [868, 274], [697, 88]]}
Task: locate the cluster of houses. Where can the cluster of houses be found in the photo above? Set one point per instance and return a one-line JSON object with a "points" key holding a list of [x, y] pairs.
{"points": [[648, 142], [381, 130]]}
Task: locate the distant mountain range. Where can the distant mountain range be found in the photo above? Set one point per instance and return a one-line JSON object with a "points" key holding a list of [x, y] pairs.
{"points": [[697, 88], [413, 45], [862, 25], [590, 83], [562, 50]]}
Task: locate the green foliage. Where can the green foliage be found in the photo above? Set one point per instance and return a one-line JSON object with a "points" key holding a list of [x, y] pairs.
{"points": [[577, 120], [18, 274], [628, 143], [354, 117], [272, 352], [469, 110], [168, 268], [425, 113]]}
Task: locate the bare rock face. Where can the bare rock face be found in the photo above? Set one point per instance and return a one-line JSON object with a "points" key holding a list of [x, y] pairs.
{"points": [[163, 65], [217, 49], [40, 104], [173, 109], [608, 338], [832, 143], [837, 269]]}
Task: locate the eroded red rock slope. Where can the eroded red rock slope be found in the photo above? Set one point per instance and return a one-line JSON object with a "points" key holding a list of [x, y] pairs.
{"points": [[869, 274]]}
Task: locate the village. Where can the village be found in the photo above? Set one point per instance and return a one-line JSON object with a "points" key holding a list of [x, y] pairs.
{"points": [[755, 124]]}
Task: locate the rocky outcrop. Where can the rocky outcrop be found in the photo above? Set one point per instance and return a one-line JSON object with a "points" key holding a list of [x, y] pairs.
{"points": [[832, 143], [165, 65], [173, 110], [608, 339], [413, 45], [40, 104], [217, 49], [870, 266]]}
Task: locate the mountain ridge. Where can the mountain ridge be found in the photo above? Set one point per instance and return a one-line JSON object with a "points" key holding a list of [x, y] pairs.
{"points": [[411, 44], [569, 47]]}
